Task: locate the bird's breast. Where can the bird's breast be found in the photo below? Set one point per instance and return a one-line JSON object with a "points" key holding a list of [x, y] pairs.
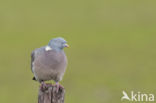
{"points": [[55, 60]]}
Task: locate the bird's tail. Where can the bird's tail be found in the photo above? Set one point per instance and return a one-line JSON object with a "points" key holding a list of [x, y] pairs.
{"points": [[34, 79]]}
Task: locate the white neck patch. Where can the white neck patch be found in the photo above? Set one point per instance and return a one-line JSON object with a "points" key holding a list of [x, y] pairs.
{"points": [[47, 48]]}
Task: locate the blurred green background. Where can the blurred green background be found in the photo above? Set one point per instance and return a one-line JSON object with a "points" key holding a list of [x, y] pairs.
{"points": [[112, 47]]}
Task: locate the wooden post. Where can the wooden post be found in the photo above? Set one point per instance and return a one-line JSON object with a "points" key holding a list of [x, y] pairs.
{"points": [[49, 95]]}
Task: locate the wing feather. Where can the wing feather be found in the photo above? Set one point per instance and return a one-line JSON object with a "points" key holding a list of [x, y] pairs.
{"points": [[32, 59]]}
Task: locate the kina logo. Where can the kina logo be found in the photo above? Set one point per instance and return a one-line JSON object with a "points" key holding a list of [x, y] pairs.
{"points": [[138, 96]]}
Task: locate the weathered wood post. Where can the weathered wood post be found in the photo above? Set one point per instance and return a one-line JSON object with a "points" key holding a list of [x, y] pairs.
{"points": [[49, 95]]}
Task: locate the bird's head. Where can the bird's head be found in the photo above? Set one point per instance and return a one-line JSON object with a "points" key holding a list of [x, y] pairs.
{"points": [[58, 43]]}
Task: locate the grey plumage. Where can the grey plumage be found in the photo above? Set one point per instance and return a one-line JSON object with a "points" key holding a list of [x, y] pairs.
{"points": [[32, 59], [49, 62]]}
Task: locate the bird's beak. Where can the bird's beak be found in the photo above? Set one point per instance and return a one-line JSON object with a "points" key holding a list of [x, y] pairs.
{"points": [[66, 45]]}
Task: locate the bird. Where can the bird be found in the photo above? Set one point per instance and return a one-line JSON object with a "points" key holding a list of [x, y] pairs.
{"points": [[49, 62]]}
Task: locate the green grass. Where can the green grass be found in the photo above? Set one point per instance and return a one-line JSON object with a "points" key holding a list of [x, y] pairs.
{"points": [[112, 47]]}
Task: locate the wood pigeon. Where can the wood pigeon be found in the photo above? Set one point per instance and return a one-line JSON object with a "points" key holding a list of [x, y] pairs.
{"points": [[49, 62]]}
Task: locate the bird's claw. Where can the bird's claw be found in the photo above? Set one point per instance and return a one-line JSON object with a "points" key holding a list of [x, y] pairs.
{"points": [[58, 86], [43, 86]]}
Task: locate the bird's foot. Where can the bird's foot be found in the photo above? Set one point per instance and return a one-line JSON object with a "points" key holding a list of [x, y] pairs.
{"points": [[58, 86], [43, 86], [49, 84]]}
